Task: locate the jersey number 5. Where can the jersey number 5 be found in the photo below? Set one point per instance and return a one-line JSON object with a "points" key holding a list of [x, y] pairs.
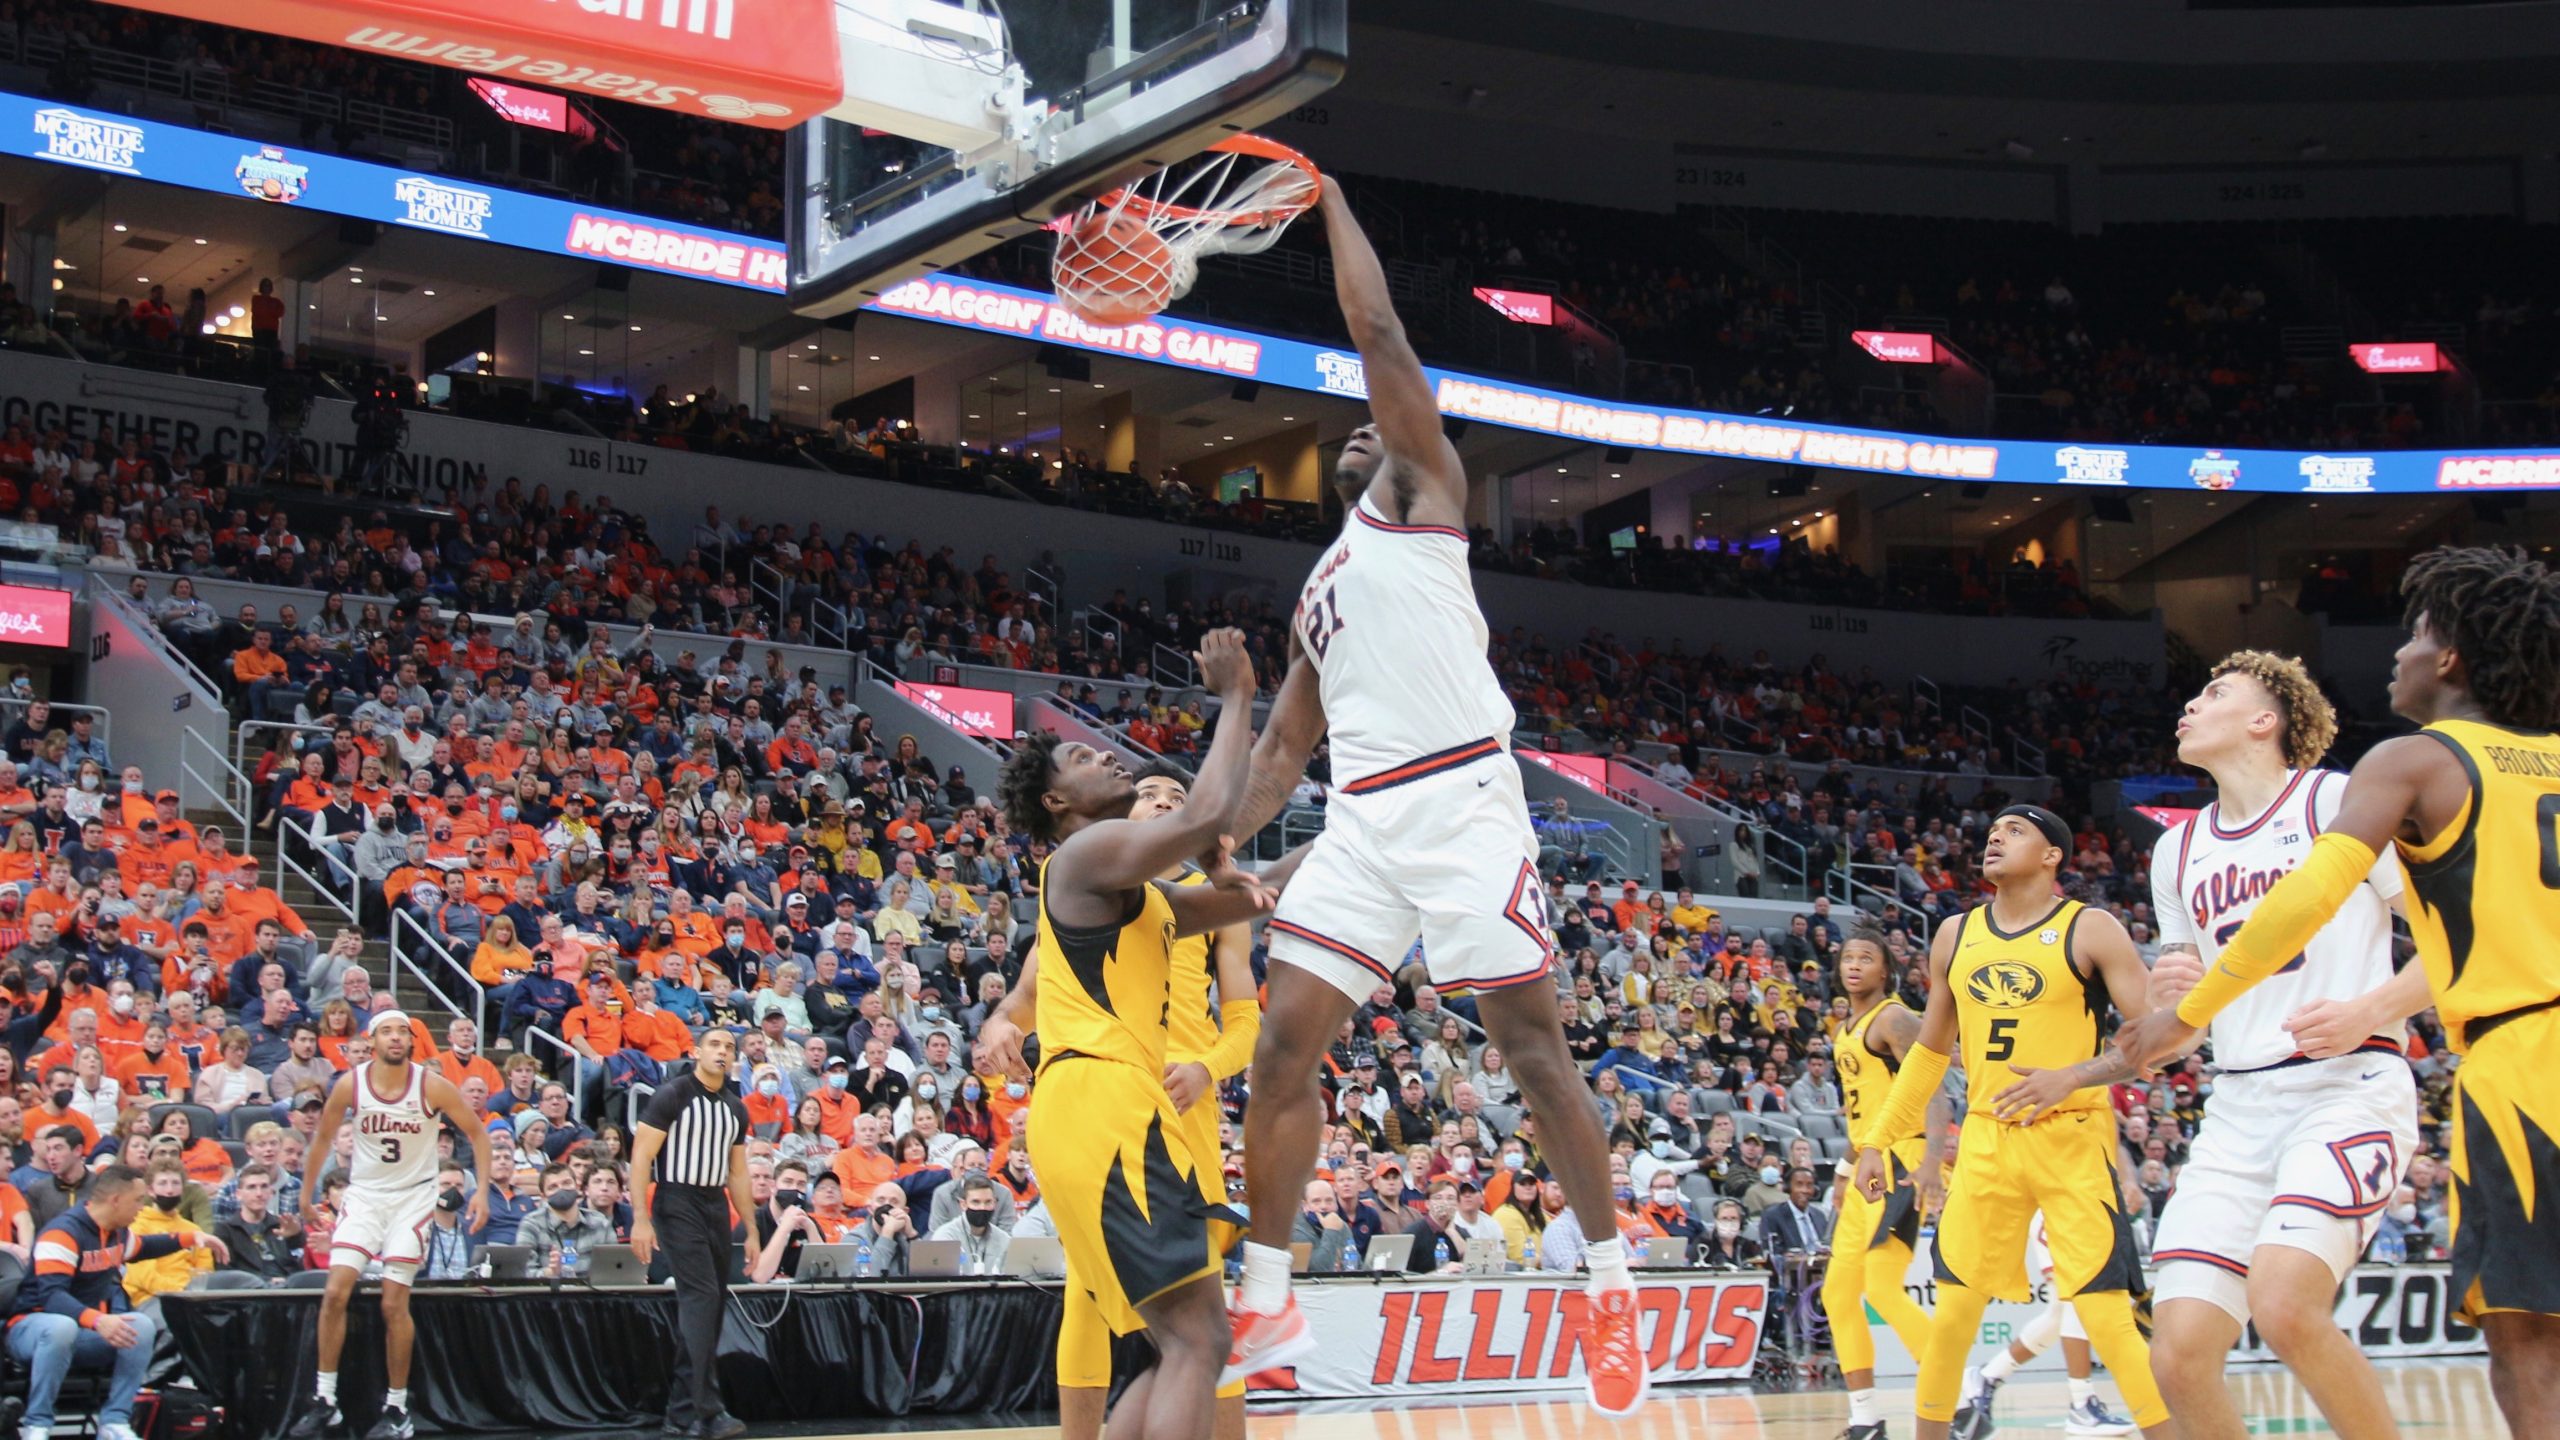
{"points": [[2003, 1039], [1323, 622]]}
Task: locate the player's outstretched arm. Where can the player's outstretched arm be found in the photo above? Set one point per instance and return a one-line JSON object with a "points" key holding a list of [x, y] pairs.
{"points": [[2100, 945], [2382, 802], [324, 1142], [1289, 736], [1233, 897], [1117, 856], [1400, 396]]}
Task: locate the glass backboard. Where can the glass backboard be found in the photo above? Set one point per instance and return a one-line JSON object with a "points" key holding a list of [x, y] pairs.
{"points": [[1128, 86]]}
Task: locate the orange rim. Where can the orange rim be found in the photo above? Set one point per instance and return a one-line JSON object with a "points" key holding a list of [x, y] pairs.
{"points": [[1258, 146]]}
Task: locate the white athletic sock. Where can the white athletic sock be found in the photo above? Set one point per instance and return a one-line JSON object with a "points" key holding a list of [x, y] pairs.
{"points": [[1266, 1279], [397, 1399], [2000, 1367], [1608, 1262], [329, 1387], [1862, 1407], [2082, 1391]]}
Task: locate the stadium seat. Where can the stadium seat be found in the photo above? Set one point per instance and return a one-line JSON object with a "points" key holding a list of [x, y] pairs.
{"points": [[1714, 1102], [1504, 1118], [233, 1280], [307, 1280], [204, 1123]]}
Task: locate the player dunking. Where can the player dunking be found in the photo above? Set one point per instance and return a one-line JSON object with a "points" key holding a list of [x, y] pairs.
{"points": [[1204, 1046], [1114, 1158], [2308, 1132], [1871, 1241], [391, 1200], [2022, 982], [1427, 835], [2471, 803]]}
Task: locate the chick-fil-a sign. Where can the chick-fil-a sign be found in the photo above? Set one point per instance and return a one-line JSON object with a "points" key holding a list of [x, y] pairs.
{"points": [[33, 616]]}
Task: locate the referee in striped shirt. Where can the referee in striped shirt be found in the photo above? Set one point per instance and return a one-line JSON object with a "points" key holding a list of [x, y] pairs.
{"points": [[692, 1146]]}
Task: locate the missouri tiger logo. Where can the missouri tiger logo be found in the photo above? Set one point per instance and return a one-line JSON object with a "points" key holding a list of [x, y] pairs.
{"points": [[1850, 1064], [2005, 985]]}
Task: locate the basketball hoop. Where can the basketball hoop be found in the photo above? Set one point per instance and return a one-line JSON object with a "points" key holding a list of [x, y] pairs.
{"points": [[1136, 250]]}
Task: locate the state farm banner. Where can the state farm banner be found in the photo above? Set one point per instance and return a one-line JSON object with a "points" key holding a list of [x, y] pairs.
{"points": [[1509, 1332]]}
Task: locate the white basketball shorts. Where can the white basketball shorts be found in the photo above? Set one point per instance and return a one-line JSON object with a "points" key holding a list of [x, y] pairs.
{"points": [[2304, 1155], [388, 1226], [1442, 852]]}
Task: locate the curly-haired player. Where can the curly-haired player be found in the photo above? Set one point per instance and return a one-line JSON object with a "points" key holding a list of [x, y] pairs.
{"points": [[1115, 1161], [2471, 804], [2314, 1117]]}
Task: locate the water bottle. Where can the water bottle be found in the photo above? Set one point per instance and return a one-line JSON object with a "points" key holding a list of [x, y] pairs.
{"points": [[568, 1258], [862, 1258], [1440, 1254]]}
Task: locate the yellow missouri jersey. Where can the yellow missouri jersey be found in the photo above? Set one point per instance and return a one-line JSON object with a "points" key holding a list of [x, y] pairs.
{"points": [[2020, 1002], [2486, 892], [1105, 989], [1866, 1077], [1191, 1022]]}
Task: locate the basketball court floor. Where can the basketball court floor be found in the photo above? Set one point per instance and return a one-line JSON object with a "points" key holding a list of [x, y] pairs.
{"points": [[2448, 1398]]}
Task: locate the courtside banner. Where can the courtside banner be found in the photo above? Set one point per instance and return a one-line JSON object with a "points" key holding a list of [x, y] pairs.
{"points": [[2392, 1312], [102, 140], [30, 615], [1509, 1332], [1275, 360], [751, 62]]}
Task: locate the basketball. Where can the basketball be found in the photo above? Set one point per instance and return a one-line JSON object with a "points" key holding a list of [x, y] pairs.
{"points": [[1113, 270]]}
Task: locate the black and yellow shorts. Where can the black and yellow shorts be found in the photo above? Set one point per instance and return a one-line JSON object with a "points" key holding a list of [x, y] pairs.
{"points": [[2506, 1169]]}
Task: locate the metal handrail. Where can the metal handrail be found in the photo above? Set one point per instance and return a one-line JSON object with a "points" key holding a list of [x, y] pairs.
{"points": [[479, 1010], [639, 1090], [232, 803], [1845, 887], [1096, 622], [105, 717], [2028, 754], [102, 593], [240, 737], [1170, 662], [1041, 583], [344, 904]]}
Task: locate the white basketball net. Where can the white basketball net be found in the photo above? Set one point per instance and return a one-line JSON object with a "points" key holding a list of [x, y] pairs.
{"points": [[1229, 203]]}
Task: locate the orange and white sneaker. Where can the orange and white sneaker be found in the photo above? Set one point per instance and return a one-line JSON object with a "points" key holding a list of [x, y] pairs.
{"points": [[1266, 1342], [1613, 1359]]}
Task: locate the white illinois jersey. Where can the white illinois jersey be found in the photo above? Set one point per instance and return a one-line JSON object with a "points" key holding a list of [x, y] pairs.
{"points": [[1389, 619], [2206, 878], [395, 1134]]}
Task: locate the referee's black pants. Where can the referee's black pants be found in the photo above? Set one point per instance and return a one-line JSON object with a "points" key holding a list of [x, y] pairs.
{"points": [[693, 1228]]}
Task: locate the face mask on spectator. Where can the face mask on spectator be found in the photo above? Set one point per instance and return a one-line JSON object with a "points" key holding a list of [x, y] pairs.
{"points": [[1728, 1229], [507, 812], [737, 938], [768, 1086], [168, 1203], [838, 1080], [62, 1098], [1626, 1194], [791, 1199], [1768, 1174], [383, 823], [88, 782], [926, 1091], [1515, 1161], [122, 1004], [896, 982], [133, 787], [562, 1201], [449, 1199], [1661, 1149], [1016, 1090], [973, 1091], [1666, 1196], [933, 1012], [981, 1217]]}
